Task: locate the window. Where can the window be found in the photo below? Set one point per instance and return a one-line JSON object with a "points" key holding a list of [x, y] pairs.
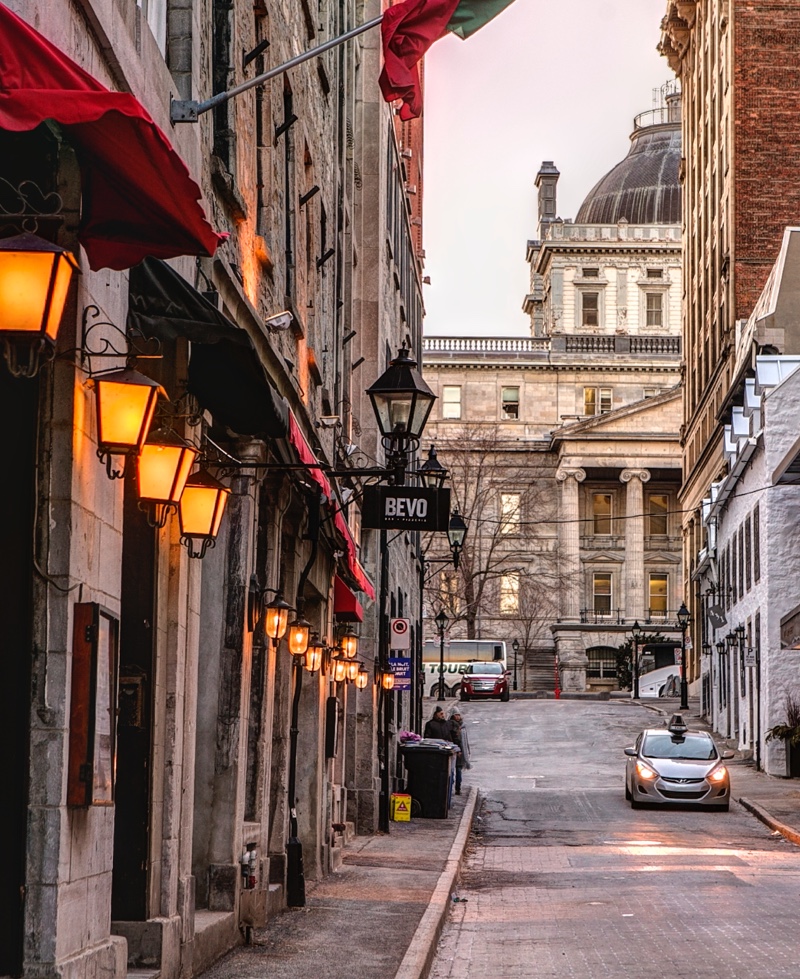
{"points": [[658, 507], [654, 302], [756, 545], [602, 662], [741, 561], [590, 309], [651, 392], [659, 592], [509, 513], [509, 594], [451, 401], [655, 273], [748, 552], [601, 513], [601, 592], [591, 273], [510, 402], [596, 401]]}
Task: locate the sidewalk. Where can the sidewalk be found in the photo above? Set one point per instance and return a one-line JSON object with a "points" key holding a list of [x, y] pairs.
{"points": [[378, 917], [775, 801]]}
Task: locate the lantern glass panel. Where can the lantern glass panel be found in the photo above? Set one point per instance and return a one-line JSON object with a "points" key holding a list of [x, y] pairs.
{"points": [[124, 413], [201, 510], [276, 622], [33, 287], [349, 645], [298, 637], [351, 669], [163, 471], [388, 681], [314, 658], [362, 679], [339, 670]]}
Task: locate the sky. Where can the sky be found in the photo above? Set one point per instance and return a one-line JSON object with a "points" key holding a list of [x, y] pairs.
{"points": [[543, 81]]}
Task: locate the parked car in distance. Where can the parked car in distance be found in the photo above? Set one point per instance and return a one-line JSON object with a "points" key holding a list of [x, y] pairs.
{"points": [[675, 765], [484, 680]]}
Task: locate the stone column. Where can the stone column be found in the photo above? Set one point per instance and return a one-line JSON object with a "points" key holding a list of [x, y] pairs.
{"points": [[568, 636], [569, 540], [633, 597]]}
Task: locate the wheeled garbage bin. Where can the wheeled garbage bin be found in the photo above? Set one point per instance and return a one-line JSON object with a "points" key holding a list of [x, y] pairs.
{"points": [[429, 764]]}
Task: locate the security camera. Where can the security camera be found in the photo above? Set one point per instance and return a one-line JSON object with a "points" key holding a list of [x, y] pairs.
{"points": [[280, 321], [328, 421]]}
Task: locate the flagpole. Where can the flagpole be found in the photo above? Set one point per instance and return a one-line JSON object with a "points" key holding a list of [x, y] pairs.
{"points": [[188, 110]]}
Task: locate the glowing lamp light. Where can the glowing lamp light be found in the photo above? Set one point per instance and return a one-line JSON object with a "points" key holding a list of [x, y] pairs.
{"points": [[163, 468], [314, 656], [299, 634], [276, 620], [201, 508], [387, 681], [34, 281], [351, 670], [349, 645], [126, 402], [339, 669], [362, 678]]}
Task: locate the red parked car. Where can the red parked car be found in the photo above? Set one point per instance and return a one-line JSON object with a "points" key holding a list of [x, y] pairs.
{"points": [[484, 680]]}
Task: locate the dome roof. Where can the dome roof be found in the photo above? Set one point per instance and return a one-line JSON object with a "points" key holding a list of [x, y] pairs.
{"points": [[644, 188]]}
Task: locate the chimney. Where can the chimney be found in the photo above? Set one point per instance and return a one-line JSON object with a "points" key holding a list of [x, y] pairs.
{"points": [[546, 180]]}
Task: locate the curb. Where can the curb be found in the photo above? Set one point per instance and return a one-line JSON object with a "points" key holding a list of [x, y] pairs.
{"points": [[787, 832], [419, 956]]}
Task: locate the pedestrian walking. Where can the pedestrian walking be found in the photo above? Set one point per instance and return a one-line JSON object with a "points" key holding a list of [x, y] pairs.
{"points": [[457, 733], [437, 726]]}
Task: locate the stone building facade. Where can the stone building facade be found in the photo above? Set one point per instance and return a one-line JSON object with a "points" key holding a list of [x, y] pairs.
{"points": [[577, 523], [264, 343], [736, 63]]}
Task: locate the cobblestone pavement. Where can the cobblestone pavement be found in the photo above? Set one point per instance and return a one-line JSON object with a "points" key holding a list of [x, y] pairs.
{"points": [[564, 879]]}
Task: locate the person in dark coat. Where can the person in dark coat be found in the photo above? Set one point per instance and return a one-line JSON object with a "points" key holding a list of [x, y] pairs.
{"points": [[458, 735], [437, 726]]}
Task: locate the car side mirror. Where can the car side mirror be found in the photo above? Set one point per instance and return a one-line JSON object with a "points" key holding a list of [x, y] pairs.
{"points": [[728, 754], [631, 751]]}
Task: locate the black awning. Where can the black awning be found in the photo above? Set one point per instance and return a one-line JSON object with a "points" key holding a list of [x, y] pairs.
{"points": [[225, 372]]}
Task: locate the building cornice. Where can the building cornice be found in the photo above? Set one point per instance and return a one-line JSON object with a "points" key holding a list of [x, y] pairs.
{"points": [[676, 29]]}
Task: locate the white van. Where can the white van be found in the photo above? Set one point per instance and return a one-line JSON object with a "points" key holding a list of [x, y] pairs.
{"points": [[660, 683]]}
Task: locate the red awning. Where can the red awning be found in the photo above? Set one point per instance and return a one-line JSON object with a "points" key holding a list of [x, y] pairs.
{"points": [[346, 607], [137, 196], [306, 455], [353, 564]]}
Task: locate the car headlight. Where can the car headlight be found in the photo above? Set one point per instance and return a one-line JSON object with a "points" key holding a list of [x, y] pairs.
{"points": [[718, 775], [645, 771]]}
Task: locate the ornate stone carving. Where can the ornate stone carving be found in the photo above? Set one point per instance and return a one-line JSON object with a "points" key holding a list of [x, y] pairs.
{"points": [[576, 473], [628, 474]]}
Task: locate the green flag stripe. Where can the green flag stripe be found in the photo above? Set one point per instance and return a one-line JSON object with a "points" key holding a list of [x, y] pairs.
{"points": [[470, 15]]}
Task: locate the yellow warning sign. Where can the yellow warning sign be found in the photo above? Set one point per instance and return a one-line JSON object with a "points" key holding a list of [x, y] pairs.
{"points": [[400, 807]]}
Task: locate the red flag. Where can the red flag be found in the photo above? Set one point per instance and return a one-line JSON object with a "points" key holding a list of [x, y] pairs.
{"points": [[408, 30]]}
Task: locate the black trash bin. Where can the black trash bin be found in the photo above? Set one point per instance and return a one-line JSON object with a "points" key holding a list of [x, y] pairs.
{"points": [[429, 764]]}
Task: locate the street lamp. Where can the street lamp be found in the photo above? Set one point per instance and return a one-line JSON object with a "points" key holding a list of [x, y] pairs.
{"points": [[200, 512], [456, 533], [515, 647], [636, 633], [432, 472], [441, 621], [683, 622]]}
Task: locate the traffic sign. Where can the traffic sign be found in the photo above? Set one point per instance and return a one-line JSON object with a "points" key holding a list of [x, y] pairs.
{"points": [[400, 634]]}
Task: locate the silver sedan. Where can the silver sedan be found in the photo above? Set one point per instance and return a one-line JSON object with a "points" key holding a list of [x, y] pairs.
{"points": [[674, 765]]}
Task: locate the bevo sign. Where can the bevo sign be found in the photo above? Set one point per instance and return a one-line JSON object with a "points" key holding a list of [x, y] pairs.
{"points": [[405, 508]]}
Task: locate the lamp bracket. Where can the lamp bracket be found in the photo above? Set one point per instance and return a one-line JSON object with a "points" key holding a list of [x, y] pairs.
{"points": [[197, 549], [111, 471], [24, 205], [130, 344]]}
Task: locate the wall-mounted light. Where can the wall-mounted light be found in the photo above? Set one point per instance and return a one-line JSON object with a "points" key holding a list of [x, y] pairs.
{"points": [[276, 619], [351, 670], [201, 508], [387, 681], [314, 655], [126, 402], [362, 678], [432, 473], [339, 668], [299, 634], [456, 534], [349, 645], [34, 281], [163, 468]]}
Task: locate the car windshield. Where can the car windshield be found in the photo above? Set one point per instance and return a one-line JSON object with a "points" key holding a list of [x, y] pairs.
{"points": [[485, 668], [695, 747]]}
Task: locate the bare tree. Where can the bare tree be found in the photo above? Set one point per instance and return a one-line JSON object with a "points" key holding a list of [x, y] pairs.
{"points": [[508, 570]]}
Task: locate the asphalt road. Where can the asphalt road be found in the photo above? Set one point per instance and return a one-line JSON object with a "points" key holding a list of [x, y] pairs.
{"points": [[564, 879]]}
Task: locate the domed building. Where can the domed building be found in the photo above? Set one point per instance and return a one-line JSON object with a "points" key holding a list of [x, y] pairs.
{"points": [[590, 402]]}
